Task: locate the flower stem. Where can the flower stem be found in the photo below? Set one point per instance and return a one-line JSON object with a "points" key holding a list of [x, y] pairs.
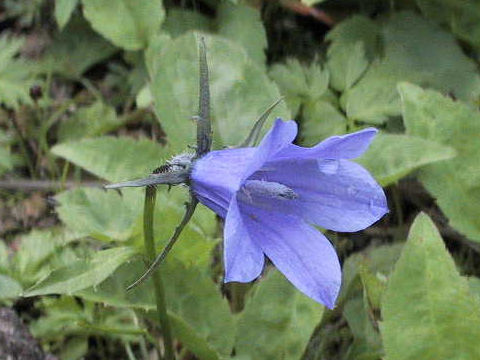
{"points": [[150, 195]]}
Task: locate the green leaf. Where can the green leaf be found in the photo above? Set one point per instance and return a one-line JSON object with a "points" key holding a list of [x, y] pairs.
{"points": [[63, 11], [82, 273], [277, 322], [5, 160], [454, 183], [417, 51], [15, 73], [113, 159], [354, 42], [37, 248], [426, 296], [96, 119], [240, 90], [75, 49], [128, 24], [104, 215], [321, 119], [180, 21], [243, 25], [301, 84], [189, 292], [9, 288], [463, 17], [390, 157]]}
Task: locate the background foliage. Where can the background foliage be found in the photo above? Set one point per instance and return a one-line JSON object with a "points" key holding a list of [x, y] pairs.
{"points": [[97, 91]]}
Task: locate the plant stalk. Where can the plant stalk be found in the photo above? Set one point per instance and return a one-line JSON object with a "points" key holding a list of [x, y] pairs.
{"points": [[150, 195]]}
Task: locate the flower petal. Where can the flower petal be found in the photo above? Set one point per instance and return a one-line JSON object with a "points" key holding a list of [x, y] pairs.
{"points": [[278, 138], [243, 258], [217, 176], [303, 254], [348, 146], [338, 195]]}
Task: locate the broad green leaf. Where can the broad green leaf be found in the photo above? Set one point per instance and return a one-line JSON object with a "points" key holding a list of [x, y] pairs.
{"points": [[243, 25], [180, 21], [426, 302], [417, 51], [127, 23], [113, 159], [104, 215], [390, 157], [321, 119], [75, 49], [96, 119], [83, 273], [354, 42], [37, 248], [63, 11], [200, 317], [277, 322], [463, 17], [240, 90], [15, 73], [9, 288], [454, 183]]}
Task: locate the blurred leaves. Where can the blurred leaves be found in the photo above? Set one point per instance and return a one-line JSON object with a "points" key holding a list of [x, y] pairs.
{"points": [[15, 73], [454, 183], [277, 321], [63, 11], [129, 24], [426, 302]]}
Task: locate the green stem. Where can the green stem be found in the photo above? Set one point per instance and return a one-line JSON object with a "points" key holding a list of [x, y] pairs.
{"points": [[150, 195]]}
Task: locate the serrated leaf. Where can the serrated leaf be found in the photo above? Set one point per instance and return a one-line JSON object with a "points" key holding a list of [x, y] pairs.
{"points": [[75, 49], [96, 119], [277, 322], [354, 43], [301, 84], [104, 215], [417, 51], [240, 90], [189, 293], [243, 25], [113, 159], [128, 24], [454, 183], [63, 11], [391, 157], [427, 296], [321, 119], [82, 273], [15, 73]]}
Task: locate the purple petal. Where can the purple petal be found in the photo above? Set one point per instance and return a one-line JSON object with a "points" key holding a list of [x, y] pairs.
{"points": [[338, 195], [278, 138], [243, 258], [303, 254], [348, 146], [217, 176]]}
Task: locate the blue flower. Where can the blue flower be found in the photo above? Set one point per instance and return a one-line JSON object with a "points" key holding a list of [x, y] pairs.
{"points": [[271, 194]]}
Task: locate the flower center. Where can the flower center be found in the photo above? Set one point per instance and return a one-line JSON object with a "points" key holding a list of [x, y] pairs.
{"points": [[269, 189]]}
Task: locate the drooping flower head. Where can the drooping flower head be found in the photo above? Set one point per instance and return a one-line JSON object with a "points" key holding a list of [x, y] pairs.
{"points": [[271, 195]]}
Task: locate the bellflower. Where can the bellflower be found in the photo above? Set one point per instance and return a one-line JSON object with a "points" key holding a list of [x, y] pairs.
{"points": [[271, 195]]}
